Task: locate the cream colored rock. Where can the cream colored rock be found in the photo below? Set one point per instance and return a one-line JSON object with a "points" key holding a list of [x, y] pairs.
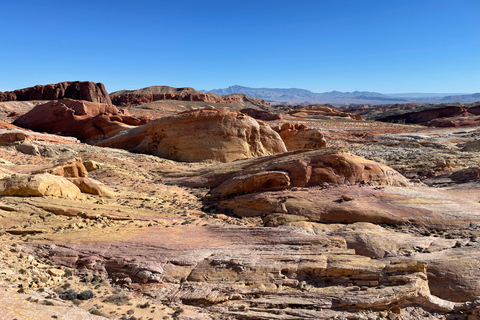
{"points": [[91, 186], [39, 185], [300, 137], [200, 135], [70, 169]]}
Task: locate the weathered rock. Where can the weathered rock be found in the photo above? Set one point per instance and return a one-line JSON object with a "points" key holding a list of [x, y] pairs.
{"points": [[91, 186], [39, 185], [81, 119], [86, 90], [262, 114], [305, 169], [300, 137], [71, 169], [19, 136], [263, 181], [199, 135], [453, 274]]}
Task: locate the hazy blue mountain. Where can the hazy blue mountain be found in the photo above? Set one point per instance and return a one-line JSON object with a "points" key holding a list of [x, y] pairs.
{"points": [[302, 96], [462, 98], [422, 95], [295, 94]]}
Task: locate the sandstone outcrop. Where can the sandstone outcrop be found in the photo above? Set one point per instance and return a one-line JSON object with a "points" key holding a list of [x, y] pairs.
{"points": [[84, 120], [18, 136], [70, 169], [300, 137], [77, 173], [78, 90], [39, 185], [305, 169], [130, 98], [322, 112], [199, 135]]}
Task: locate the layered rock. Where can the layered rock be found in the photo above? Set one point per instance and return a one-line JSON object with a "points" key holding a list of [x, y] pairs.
{"points": [[81, 119], [199, 135], [300, 137], [78, 90], [130, 98]]}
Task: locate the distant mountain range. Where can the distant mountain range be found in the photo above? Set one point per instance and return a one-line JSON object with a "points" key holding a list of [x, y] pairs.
{"points": [[302, 96]]}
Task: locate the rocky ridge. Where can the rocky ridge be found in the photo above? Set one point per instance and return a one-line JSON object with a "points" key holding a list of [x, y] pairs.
{"points": [[78, 90], [131, 98]]}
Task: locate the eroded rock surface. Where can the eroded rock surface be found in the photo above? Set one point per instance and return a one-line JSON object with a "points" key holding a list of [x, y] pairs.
{"points": [[199, 135], [323, 234]]}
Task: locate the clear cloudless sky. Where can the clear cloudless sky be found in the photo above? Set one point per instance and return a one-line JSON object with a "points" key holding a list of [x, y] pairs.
{"points": [[388, 46]]}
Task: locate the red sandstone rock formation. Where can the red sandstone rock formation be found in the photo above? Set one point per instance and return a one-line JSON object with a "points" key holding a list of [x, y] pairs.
{"points": [[199, 135], [130, 98], [86, 90], [81, 119]]}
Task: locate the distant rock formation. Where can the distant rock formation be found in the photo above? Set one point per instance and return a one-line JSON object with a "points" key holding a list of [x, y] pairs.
{"points": [[200, 135], [78, 90], [262, 114], [447, 116], [130, 98], [84, 120], [322, 112]]}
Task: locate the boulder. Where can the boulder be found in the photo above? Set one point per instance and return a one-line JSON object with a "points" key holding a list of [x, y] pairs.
{"points": [[78, 90], [81, 119], [200, 135], [300, 137], [39, 185], [262, 181]]}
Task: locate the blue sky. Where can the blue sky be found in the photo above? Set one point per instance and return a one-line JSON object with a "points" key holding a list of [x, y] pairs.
{"points": [[386, 46]]}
